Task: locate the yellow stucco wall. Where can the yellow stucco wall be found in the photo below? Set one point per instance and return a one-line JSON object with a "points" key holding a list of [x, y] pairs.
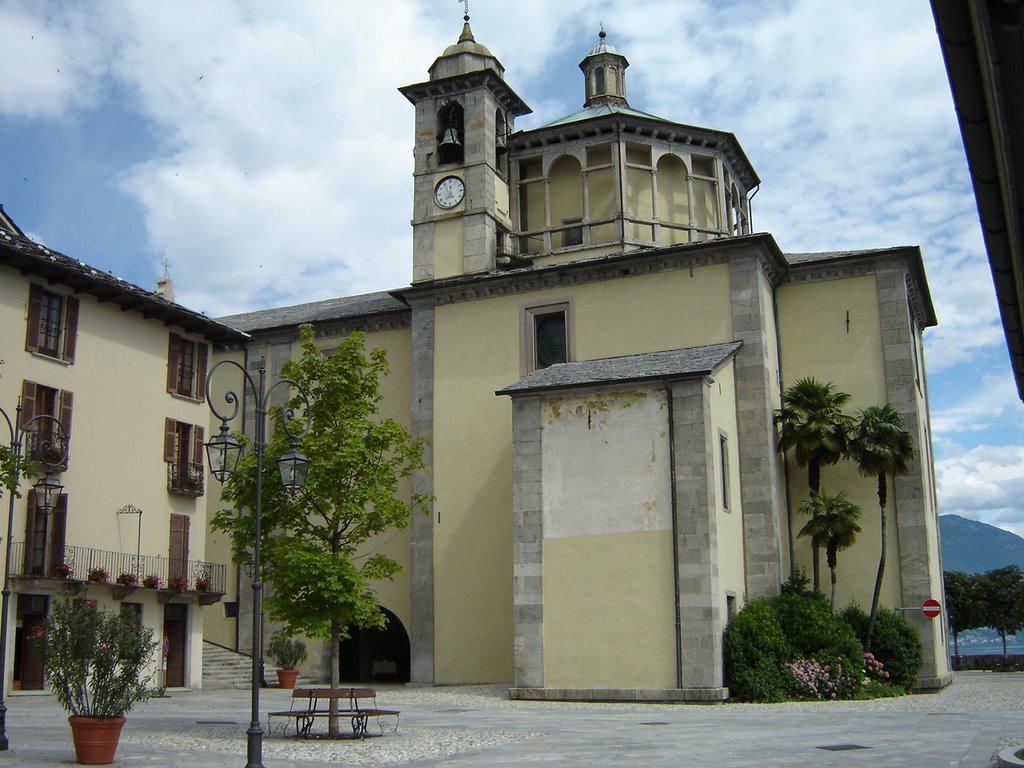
{"points": [[851, 359], [477, 351], [118, 380]]}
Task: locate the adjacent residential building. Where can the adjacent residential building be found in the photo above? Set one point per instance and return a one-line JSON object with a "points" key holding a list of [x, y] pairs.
{"points": [[594, 343], [122, 369]]}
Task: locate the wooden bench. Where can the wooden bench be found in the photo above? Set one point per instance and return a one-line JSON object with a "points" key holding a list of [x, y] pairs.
{"points": [[357, 705]]}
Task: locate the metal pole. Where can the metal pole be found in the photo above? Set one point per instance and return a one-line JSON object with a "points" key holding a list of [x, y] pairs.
{"points": [[18, 431], [255, 732], [6, 606]]}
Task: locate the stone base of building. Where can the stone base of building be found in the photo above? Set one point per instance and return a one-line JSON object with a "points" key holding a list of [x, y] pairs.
{"points": [[646, 695], [933, 684]]}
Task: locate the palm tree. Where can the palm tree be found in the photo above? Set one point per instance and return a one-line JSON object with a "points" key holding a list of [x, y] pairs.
{"points": [[812, 423], [882, 448], [833, 526]]}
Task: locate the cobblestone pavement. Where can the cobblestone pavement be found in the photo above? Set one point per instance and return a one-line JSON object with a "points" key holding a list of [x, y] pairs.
{"points": [[962, 726]]}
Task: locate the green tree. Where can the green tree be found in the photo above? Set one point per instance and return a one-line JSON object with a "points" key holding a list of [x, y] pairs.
{"points": [[812, 424], [1001, 590], [963, 604], [832, 527], [882, 449], [321, 579]]}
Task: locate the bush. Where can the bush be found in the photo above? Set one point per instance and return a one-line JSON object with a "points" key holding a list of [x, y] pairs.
{"points": [[286, 652], [815, 632], [755, 649], [831, 679], [895, 643]]}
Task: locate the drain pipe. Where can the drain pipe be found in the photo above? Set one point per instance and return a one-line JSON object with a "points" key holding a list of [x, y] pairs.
{"points": [[675, 533]]}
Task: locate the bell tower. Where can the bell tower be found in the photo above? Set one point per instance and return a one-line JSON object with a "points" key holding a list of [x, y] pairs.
{"points": [[464, 114]]}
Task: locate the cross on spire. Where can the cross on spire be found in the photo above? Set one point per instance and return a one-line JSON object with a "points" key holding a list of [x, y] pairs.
{"points": [[465, 4]]}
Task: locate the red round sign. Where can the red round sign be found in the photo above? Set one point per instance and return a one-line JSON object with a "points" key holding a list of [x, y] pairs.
{"points": [[931, 608]]}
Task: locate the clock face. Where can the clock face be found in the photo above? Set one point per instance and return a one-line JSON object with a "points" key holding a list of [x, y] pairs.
{"points": [[449, 191]]}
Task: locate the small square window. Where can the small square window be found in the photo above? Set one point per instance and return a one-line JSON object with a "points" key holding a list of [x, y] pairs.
{"points": [[572, 235], [546, 336]]}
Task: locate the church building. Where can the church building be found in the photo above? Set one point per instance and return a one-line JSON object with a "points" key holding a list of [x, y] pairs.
{"points": [[594, 342]]}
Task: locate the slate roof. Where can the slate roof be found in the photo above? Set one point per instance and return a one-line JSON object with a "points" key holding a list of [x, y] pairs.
{"points": [[344, 307], [670, 364], [30, 258]]}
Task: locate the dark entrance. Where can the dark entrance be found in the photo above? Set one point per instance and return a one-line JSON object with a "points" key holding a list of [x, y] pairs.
{"points": [[175, 641], [377, 654], [28, 656]]}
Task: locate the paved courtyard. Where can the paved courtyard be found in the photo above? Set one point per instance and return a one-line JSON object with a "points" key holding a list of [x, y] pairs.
{"points": [[962, 726]]}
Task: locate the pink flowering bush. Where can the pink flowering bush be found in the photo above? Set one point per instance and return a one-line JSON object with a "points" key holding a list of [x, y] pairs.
{"points": [[94, 658], [818, 679]]}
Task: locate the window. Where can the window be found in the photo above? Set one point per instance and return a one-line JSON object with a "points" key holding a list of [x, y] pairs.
{"points": [[186, 367], [183, 452], [546, 335], [44, 537], [723, 453], [450, 134], [730, 606], [44, 442], [574, 234], [52, 324]]}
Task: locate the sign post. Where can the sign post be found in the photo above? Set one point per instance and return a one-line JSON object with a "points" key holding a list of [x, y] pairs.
{"points": [[931, 608]]}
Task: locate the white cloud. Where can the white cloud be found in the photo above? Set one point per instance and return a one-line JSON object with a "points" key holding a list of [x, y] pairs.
{"points": [[993, 402], [984, 483], [51, 62]]}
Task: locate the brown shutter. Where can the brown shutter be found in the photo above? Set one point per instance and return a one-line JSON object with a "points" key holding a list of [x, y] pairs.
{"points": [[67, 400], [70, 328], [197, 445], [28, 401], [170, 430], [201, 371], [35, 302], [58, 531], [30, 533], [178, 553], [172, 363]]}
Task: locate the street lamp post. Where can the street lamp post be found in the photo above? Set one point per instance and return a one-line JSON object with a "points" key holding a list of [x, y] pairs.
{"points": [[223, 453], [52, 451]]}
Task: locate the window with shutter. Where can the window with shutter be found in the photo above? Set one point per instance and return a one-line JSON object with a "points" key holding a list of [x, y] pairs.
{"points": [[44, 441], [183, 452], [186, 366], [52, 327]]}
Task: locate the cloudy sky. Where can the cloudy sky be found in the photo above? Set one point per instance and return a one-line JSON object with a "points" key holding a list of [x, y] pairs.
{"points": [[262, 151]]}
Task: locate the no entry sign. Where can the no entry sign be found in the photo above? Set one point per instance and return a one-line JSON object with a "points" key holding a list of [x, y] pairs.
{"points": [[931, 608]]}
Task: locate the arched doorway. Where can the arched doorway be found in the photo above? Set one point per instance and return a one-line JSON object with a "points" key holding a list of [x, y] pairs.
{"points": [[380, 655]]}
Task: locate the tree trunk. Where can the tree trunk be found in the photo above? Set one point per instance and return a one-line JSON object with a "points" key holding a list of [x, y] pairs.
{"points": [[814, 483], [956, 644], [1002, 634], [881, 564], [332, 721], [832, 598]]}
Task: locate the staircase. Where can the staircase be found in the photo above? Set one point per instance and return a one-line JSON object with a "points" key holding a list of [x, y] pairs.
{"points": [[223, 668]]}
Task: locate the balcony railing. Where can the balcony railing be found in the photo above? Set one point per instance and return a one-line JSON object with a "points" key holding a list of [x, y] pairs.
{"points": [[185, 478], [69, 562], [45, 447]]}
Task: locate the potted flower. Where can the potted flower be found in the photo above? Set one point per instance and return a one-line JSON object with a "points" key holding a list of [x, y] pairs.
{"points": [[128, 580], [94, 660], [177, 582], [286, 653], [152, 581], [98, 574], [64, 571], [203, 584]]}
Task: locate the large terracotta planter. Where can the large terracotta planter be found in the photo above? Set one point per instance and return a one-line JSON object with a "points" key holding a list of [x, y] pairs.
{"points": [[286, 677], [95, 738]]}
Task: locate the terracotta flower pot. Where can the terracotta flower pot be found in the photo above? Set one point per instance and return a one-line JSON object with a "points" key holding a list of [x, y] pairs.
{"points": [[286, 677], [96, 738]]}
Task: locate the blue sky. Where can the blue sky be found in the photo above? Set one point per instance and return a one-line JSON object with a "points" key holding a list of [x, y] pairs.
{"points": [[263, 151]]}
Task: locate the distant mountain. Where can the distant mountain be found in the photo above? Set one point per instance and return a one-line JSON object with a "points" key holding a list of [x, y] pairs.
{"points": [[974, 547]]}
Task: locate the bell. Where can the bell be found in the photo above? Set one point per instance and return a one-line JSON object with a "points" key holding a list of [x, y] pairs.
{"points": [[450, 137]]}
